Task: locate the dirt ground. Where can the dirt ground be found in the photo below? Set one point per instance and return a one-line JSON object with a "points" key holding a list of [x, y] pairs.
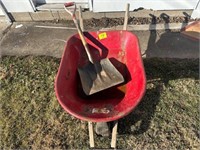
{"points": [[110, 22]]}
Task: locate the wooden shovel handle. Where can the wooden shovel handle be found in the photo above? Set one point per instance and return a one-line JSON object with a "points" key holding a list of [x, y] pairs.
{"points": [[78, 28]]}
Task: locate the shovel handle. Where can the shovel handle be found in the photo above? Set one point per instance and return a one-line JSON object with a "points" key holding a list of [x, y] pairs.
{"points": [[69, 4], [72, 13]]}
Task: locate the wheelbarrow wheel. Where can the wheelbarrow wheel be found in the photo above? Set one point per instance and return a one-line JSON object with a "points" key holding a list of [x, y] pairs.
{"points": [[103, 129]]}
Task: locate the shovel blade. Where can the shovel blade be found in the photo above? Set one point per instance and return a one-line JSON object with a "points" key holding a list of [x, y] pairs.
{"points": [[99, 76]]}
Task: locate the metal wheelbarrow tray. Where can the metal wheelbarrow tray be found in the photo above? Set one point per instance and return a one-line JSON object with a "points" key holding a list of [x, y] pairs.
{"points": [[122, 48]]}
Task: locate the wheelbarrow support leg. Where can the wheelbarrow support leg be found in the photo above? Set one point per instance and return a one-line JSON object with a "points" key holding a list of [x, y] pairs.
{"points": [[114, 135], [91, 134], [126, 17]]}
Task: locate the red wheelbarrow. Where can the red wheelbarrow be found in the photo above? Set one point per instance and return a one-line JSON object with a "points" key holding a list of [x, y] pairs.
{"points": [[122, 48]]}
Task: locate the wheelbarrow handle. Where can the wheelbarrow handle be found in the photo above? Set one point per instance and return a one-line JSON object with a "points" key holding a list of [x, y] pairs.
{"points": [[73, 9]]}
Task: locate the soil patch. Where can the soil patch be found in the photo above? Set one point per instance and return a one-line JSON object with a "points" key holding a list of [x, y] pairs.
{"points": [[110, 22]]}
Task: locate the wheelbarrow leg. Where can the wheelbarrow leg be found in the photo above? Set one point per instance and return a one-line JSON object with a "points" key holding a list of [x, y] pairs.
{"points": [[114, 135], [91, 134]]}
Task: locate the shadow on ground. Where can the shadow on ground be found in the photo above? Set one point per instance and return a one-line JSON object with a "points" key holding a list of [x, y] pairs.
{"points": [[170, 43], [159, 71]]}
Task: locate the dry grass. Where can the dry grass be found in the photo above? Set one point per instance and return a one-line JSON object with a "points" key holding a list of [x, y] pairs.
{"points": [[31, 118]]}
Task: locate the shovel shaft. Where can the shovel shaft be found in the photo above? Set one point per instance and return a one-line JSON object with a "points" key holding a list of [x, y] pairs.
{"points": [[79, 29], [83, 40]]}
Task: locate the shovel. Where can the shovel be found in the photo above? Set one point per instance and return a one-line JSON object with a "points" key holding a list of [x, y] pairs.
{"points": [[95, 76]]}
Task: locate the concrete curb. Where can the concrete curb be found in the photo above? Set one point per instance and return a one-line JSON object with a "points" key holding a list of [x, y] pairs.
{"points": [[4, 27], [51, 15], [145, 27], [170, 26]]}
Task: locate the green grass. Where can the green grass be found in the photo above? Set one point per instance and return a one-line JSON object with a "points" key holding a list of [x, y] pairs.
{"points": [[31, 118]]}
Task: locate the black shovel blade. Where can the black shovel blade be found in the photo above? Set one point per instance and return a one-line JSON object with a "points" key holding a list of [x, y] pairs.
{"points": [[99, 76]]}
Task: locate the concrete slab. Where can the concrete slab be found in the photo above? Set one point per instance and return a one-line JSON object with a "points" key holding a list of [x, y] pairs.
{"points": [[146, 27], [114, 14], [168, 44], [38, 16], [29, 40], [4, 26], [55, 15], [89, 15], [22, 16], [49, 14], [63, 15]]}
